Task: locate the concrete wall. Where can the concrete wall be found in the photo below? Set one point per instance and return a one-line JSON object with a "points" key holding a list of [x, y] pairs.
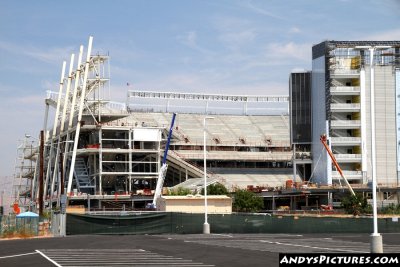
{"points": [[398, 122], [195, 204], [385, 123]]}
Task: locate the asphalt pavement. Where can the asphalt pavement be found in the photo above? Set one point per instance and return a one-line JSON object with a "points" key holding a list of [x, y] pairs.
{"points": [[180, 250]]}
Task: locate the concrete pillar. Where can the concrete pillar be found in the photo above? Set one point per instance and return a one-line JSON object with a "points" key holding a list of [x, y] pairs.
{"points": [[273, 203], [376, 244]]}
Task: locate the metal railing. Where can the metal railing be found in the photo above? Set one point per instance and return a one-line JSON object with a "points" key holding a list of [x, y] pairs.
{"points": [[345, 123], [53, 95], [346, 106], [225, 155], [347, 173], [345, 89], [116, 106], [346, 139], [211, 142], [344, 71], [348, 156]]}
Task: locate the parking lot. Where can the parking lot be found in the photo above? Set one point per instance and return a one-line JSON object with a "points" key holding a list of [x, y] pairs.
{"points": [[179, 250]]}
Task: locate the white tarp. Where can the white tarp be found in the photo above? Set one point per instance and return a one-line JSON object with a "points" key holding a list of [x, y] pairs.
{"points": [[146, 135]]}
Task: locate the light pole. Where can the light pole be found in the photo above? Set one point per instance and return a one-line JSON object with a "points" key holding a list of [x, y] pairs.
{"points": [[206, 225], [376, 238], [61, 196], [2, 203]]}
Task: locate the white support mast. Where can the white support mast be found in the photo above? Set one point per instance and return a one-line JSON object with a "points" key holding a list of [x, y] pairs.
{"points": [[72, 106], [48, 172], [62, 122], [78, 125], [58, 136], [67, 93]]}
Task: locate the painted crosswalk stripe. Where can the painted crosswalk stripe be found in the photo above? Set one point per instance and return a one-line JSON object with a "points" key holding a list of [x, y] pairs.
{"points": [[113, 257]]}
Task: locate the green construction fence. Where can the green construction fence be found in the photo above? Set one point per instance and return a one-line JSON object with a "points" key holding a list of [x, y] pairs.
{"points": [[187, 223]]}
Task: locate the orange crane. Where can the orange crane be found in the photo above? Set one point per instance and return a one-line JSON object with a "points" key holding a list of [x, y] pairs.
{"points": [[324, 142]]}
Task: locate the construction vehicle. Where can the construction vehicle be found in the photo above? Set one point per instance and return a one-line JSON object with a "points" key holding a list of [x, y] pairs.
{"points": [[324, 142], [164, 167]]}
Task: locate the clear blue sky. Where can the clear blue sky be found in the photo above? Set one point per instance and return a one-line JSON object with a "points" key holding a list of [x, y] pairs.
{"points": [[232, 47]]}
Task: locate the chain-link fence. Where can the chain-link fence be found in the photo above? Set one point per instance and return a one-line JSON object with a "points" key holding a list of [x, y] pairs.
{"points": [[7, 225]]}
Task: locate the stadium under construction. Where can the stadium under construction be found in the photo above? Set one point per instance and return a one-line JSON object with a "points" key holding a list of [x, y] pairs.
{"points": [[101, 154]]}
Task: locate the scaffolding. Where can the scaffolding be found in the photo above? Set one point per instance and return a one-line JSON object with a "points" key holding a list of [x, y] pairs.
{"points": [[87, 151], [24, 174]]}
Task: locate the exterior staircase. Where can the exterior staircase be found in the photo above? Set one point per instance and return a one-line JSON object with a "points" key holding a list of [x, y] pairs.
{"points": [[82, 176]]}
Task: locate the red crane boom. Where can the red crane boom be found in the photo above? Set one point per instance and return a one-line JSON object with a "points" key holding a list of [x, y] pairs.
{"points": [[324, 142]]}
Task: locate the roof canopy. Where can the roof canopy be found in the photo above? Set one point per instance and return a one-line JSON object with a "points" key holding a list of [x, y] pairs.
{"points": [[27, 214]]}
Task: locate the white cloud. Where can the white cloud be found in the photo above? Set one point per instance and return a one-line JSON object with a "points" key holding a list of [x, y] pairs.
{"points": [[53, 55], [234, 40], [190, 40], [119, 71], [291, 51], [119, 91], [294, 30], [179, 82], [50, 85], [258, 10], [127, 51], [263, 88], [6, 88], [35, 100], [389, 35], [235, 33], [231, 24], [24, 115]]}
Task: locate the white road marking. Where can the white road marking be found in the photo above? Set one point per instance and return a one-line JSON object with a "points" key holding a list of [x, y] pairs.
{"points": [[47, 258], [306, 246], [18, 255], [104, 257], [284, 243], [223, 235]]}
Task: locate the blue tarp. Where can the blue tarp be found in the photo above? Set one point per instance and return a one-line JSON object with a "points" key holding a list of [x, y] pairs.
{"points": [[27, 214]]}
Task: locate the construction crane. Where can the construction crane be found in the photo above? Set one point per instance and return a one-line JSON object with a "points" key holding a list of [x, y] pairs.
{"points": [[164, 166], [324, 142]]}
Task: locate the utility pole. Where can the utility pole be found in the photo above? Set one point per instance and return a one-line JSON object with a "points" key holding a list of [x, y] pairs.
{"points": [[62, 173], [41, 172]]}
